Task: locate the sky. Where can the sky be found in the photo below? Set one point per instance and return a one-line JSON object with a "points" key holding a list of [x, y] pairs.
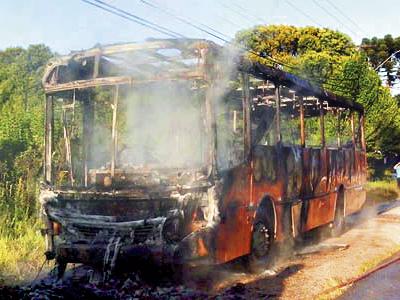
{"points": [[66, 25]]}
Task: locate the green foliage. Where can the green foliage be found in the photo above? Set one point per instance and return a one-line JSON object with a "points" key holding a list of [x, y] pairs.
{"points": [[379, 49], [21, 145], [382, 190], [329, 58], [21, 256], [21, 132]]}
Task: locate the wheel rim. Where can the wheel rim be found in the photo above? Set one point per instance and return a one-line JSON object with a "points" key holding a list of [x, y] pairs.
{"points": [[261, 240]]}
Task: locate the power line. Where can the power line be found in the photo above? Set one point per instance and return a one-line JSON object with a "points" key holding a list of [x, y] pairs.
{"points": [[245, 13], [238, 13], [263, 56], [334, 17], [345, 16], [229, 21], [185, 20], [122, 13], [315, 22], [303, 13], [190, 23], [133, 18], [222, 17]]}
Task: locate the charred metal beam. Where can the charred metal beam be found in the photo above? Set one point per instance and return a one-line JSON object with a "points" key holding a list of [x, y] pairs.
{"points": [[88, 119], [353, 129], [67, 141], [117, 80], [278, 134], [338, 131], [362, 124], [211, 131], [114, 132], [302, 127], [322, 123], [246, 115], [96, 67], [48, 140]]}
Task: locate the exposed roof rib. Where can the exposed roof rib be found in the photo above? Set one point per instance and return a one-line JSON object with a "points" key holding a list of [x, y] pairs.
{"points": [[74, 71]]}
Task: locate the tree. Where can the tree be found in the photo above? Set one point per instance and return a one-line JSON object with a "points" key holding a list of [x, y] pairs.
{"points": [[21, 127], [378, 50]]}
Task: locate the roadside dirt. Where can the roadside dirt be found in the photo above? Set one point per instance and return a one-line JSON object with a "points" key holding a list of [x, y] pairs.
{"points": [[308, 273]]}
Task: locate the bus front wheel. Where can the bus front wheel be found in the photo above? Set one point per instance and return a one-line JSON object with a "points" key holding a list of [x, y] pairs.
{"points": [[260, 257]]}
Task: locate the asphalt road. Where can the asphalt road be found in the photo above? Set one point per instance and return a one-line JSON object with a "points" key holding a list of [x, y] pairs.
{"points": [[383, 284]]}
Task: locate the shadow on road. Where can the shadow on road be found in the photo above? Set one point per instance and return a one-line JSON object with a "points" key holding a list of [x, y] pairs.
{"points": [[263, 287]]}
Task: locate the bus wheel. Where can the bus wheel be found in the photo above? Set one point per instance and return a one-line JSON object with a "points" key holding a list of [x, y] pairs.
{"points": [[59, 268], [338, 225], [261, 247]]}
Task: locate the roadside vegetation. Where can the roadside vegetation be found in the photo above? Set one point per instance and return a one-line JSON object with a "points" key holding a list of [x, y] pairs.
{"points": [[323, 56], [21, 139], [382, 191]]}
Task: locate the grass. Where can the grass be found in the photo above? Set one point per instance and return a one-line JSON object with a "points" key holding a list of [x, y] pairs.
{"points": [[334, 292], [21, 244], [382, 191], [21, 255], [376, 261]]}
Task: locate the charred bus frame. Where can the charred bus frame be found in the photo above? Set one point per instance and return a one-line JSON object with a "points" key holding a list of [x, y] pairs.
{"points": [[275, 191]]}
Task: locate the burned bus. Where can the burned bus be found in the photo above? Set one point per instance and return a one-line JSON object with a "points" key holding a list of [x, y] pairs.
{"points": [[180, 152]]}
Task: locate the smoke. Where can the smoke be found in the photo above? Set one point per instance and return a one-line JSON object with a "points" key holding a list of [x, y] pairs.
{"points": [[161, 124]]}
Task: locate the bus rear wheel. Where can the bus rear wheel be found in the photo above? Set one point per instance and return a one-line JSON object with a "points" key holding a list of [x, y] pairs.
{"points": [[260, 257]]}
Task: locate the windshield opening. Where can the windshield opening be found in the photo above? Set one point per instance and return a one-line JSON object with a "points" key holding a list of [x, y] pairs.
{"points": [[116, 131]]}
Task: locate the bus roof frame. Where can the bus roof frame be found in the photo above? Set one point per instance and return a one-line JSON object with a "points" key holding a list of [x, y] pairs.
{"points": [[200, 71]]}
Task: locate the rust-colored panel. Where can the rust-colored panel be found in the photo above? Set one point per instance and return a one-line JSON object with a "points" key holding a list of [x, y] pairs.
{"points": [[321, 211], [296, 218], [269, 182], [354, 199], [332, 170], [234, 231]]}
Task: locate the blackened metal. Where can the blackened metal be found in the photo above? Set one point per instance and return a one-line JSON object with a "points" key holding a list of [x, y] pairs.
{"points": [[114, 139], [88, 123], [322, 124], [300, 85], [353, 130], [302, 129], [362, 124], [48, 138], [246, 114], [278, 114]]}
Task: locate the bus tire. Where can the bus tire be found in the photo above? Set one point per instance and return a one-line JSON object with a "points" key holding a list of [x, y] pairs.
{"points": [[59, 269], [262, 240]]}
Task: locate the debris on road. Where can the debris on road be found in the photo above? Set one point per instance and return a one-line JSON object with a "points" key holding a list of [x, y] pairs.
{"points": [[321, 248]]}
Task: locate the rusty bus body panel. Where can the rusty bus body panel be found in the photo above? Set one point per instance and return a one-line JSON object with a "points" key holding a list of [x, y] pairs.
{"points": [[197, 215]]}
